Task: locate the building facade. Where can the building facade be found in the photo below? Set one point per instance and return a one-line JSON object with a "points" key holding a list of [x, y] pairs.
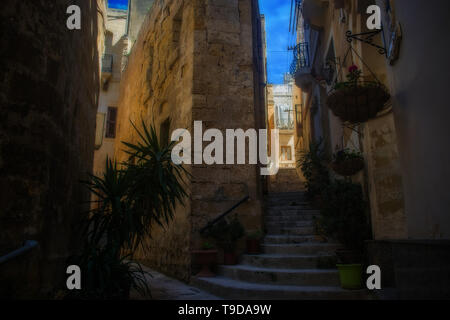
{"points": [[49, 95], [112, 64], [197, 61], [405, 217]]}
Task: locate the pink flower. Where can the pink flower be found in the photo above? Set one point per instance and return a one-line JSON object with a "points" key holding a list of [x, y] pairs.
{"points": [[353, 68]]}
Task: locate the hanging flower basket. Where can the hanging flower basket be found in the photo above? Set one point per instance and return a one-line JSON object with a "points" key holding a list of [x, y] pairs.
{"points": [[347, 163], [357, 101]]}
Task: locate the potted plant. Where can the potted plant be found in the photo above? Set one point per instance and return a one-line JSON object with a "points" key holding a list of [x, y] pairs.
{"points": [[226, 234], [356, 100], [344, 219], [254, 242], [347, 162], [206, 258]]}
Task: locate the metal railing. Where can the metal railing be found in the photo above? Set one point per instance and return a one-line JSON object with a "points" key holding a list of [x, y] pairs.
{"points": [[223, 215], [107, 63], [301, 57], [29, 245], [285, 125]]}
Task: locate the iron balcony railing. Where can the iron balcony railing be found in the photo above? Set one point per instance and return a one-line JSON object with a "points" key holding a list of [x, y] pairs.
{"points": [[301, 57], [285, 125], [107, 63]]}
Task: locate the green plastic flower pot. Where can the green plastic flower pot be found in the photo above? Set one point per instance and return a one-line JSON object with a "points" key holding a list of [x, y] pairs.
{"points": [[350, 275]]}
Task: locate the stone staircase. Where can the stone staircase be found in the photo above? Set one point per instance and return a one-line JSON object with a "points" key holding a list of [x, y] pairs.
{"points": [[288, 268], [286, 180]]}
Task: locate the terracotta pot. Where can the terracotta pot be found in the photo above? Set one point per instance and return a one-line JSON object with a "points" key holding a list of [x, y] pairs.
{"points": [[230, 259], [348, 167], [358, 103], [205, 258], [253, 246]]}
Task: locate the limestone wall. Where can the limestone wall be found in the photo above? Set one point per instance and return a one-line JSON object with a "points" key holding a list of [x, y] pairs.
{"points": [[48, 96], [197, 61], [420, 102], [377, 139]]}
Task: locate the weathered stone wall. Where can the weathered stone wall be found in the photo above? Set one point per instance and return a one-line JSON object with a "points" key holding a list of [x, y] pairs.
{"points": [[48, 99], [228, 72], [157, 85], [197, 61]]}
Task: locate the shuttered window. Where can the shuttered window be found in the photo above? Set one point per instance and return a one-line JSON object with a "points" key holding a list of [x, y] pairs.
{"points": [[111, 122], [286, 153]]}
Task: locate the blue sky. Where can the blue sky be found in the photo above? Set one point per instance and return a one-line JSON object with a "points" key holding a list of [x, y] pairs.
{"points": [[278, 38], [118, 4]]}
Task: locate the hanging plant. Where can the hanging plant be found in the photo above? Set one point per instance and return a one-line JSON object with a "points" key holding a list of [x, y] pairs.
{"points": [[356, 100], [347, 163]]}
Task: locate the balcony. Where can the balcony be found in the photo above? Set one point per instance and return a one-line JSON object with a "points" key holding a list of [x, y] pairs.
{"points": [[107, 69], [284, 118], [301, 68]]}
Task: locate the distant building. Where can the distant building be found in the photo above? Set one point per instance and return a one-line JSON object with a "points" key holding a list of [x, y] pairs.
{"points": [[281, 116], [115, 49], [137, 10], [122, 28]]}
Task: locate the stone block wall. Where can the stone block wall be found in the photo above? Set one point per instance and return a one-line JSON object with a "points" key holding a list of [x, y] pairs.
{"points": [[197, 60], [49, 82]]}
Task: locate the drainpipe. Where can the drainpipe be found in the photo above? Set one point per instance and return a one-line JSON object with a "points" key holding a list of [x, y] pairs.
{"points": [[30, 244], [128, 18]]}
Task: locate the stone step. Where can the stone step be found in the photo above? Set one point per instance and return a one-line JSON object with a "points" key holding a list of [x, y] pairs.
{"points": [[295, 231], [240, 290], [287, 210], [301, 277], [287, 202], [287, 239], [287, 195], [291, 218], [286, 224], [285, 261], [301, 248]]}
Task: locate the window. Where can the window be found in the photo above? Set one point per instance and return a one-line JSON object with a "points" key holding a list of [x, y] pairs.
{"points": [[284, 117], [111, 123], [164, 132], [100, 125], [286, 153]]}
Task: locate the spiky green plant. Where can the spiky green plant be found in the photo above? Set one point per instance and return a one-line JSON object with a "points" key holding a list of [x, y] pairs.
{"points": [[130, 200]]}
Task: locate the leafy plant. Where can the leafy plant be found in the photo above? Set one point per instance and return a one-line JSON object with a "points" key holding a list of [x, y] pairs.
{"points": [[256, 235], [353, 76], [315, 172], [347, 154], [130, 200], [343, 215], [226, 233], [207, 246]]}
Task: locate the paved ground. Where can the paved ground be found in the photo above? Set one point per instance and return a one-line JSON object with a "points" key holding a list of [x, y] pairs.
{"points": [[165, 288]]}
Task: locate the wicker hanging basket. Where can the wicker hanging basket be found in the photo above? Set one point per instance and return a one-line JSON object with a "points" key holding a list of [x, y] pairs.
{"points": [[358, 102], [348, 167]]}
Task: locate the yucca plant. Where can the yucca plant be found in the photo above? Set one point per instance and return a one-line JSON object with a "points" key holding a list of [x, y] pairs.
{"points": [[130, 199], [156, 182]]}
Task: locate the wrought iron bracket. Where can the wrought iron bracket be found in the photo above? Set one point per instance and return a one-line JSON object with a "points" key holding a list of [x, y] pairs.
{"points": [[368, 38]]}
